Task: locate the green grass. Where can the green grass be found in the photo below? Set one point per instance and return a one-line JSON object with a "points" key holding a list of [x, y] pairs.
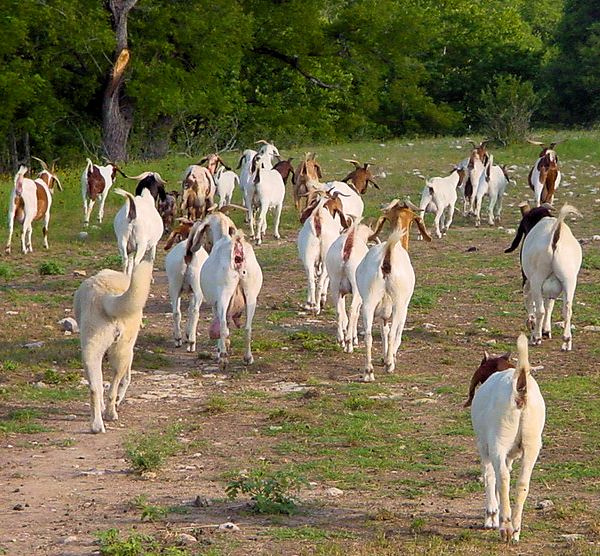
{"points": [[307, 533], [135, 544], [149, 451], [22, 421]]}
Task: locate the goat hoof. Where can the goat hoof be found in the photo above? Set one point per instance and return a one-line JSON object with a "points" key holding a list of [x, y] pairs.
{"points": [[369, 376], [248, 359], [567, 345], [506, 533], [111, 415], [535, 341], [97, 428], [178, 343], [547, 335], [389, 367], [191, 347]]}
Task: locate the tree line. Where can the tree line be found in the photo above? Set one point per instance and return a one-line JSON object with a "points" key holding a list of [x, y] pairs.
{"points": [[141, 77]]}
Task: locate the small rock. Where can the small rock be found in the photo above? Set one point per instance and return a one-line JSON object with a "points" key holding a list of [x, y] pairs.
{"points": [[591, 328], [185, 539], [70, 539], [228, 527], [594, 238], [510, 231], [334, 492], [471, 249], [544, 505], [12, 312], [69, 324], [18, 507], [82, 235], [429, 326], [572, 537], [81, 273], [202, 502], [32, 345]]}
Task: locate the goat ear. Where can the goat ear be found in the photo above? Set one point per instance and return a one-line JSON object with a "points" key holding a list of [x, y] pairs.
{"points": [[194, 242], [486, 355], [506, 356], [345, 223], [422, 229]]}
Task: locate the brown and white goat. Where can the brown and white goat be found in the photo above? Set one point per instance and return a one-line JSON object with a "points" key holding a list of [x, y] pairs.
{"points": [[360, 177], [198, 191], [167, 209], [508, 414], [475, 166], [544, 178], [285, 168], [96, 182], [401, 215], [305, 180], [322, 221], [30, 200]]}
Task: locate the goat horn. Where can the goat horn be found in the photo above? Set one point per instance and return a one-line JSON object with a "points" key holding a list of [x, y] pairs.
{"points": [[534, 142], [225, 208], [352, 161], [202, 161], [140, 176], [411, 205], [261, 142], [44, 165]]}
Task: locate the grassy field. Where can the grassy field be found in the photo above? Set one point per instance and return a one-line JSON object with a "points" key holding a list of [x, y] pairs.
{"points": [[334, 466]]}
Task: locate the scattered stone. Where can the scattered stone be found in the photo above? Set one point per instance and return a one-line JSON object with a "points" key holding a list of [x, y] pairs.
{"points": [[40, 384], [81, 273], [202, 502], [572, 537], [69, 324], [185, 539], [82, 235], [594, 238], [544, 505], [429, 326], [148, 475], [425, 400], [12, 312], [591, 328], [18, 507], [510, 231], [92, 472], [334, 492], [231, 527], [288, 387], [32, 345], [70, 539], [471, 249]]}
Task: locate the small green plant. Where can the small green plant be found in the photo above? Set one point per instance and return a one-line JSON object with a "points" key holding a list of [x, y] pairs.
{"points": [[152, 512], [112, 261], [112, 544], [6, 271], [417, 525], [215, 404], [315, 341], [270, 492], [9, 365], [149, 451], [52, 376], [51, 268], [21, 421]]}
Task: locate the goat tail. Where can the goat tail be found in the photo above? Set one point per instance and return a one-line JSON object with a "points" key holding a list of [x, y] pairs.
{"points": [[131, 211], [522, 371], [131, 301], [566, 210], [19, 176]]}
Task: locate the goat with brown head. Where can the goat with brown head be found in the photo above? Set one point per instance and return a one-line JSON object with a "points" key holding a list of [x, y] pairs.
{"points": [[361, 177], [545, 176], [306, 179], [401, 215]]}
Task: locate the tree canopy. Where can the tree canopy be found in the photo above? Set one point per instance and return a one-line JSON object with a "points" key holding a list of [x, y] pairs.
{"points": [[214, 74]]}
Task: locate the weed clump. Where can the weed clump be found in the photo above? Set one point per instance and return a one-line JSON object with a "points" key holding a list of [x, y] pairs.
{"points": [[271, 493], [51, 268], [148, 452]]}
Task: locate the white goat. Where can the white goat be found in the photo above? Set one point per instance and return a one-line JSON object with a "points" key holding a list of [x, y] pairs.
{"points": [[550, 260], [96, 182], [231, 279], [31, 200], [439, 197], [108, 308], [385, 280], [247, 175], [269, 192], [492, 182], [473, 166], [508, 414], [184, 276], [320, 229], [352, 204], [138, 227], [344, 255], [226, 181]]}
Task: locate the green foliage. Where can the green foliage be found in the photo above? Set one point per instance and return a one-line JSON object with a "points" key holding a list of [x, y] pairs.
{"points": [[21, 421], [152, 512], [149, 451], [506, 109], [271, 492], [136, 544], [51, 268], [6, 271], [52, 376]]}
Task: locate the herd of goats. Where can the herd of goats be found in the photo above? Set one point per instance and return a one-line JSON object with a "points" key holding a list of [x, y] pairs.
{"points": [[211, 258]]}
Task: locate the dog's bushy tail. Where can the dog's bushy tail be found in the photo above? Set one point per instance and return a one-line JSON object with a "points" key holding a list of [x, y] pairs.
{"points": [[131, 301]]}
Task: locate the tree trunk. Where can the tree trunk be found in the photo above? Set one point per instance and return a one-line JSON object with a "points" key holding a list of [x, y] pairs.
{"points": [[117, 110]]}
